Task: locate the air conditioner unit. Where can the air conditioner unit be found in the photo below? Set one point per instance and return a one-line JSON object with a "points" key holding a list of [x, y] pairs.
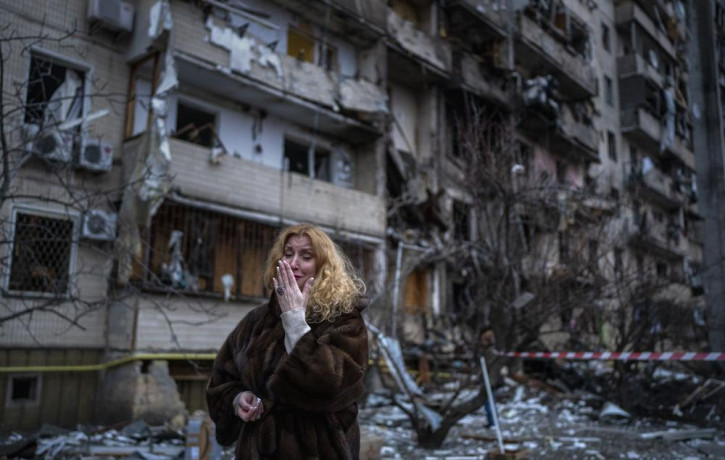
{"points": [[99, 225], [115, 15], [52, 145], [94, 155], [341, 169]]}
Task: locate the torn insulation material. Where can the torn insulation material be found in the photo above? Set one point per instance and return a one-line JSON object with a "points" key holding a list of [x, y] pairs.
{"points": [[149, 182]]}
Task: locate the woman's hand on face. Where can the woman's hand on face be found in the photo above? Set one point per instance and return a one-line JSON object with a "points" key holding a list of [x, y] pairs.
{"points": [[248, 406], [291, 298]]}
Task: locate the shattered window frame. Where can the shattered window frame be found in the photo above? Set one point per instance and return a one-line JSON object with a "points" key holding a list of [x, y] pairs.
{"points": [[20, 268], [47, 71], [205, 132], [36, 390]]}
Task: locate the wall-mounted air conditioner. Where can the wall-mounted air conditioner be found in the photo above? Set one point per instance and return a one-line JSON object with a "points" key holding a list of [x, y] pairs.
{"points": [[94, 155], [341, 169], [53, 145], [115, 15], [99, 225]]}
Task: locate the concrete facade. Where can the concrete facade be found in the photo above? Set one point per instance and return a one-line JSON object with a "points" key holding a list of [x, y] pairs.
{"points": [[331, 112]]}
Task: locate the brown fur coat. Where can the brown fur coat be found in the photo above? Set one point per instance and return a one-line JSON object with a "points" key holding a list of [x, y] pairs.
{"points": [[309, 396]]}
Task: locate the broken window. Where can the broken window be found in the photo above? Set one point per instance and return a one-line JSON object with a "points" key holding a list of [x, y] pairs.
{"points": [[461, 221], [142, 84], [324, 165], [564, 247], [300, 42], [606, 38], [23, 390], [406, 10], [55, 93], [194, 249], [195, 125], [42, 254], [561, 170], [618, 263], [608, 91], [612, 146], [415, 298], [662, 270]]}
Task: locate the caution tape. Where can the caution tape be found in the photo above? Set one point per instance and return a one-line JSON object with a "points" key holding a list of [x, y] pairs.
{"points": [[613, 356]]}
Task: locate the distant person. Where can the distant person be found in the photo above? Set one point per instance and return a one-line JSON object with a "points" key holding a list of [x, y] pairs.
{"points": [[286, 381]]}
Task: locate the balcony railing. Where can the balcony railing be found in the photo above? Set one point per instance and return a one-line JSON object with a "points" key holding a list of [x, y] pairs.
{"points": [[581, 136], [629, 11], [659, 238], [576, 74], [248, 185], [468, 70], [423, 47], [659, 187], [636, 65], [489, 15], [648, 132]]}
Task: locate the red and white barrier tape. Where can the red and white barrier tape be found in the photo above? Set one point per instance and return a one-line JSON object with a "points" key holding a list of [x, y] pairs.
{"points": [[624, 356]]}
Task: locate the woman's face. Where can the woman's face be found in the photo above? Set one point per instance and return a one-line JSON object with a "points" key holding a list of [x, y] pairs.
{"points": [[298, 253]]}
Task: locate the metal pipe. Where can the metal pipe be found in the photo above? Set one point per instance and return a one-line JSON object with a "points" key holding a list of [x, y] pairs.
{"points": [[396, 291], [492, 405]]}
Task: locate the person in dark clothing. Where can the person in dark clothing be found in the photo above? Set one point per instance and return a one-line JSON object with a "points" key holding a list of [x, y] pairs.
{"points": [[286, 381]]}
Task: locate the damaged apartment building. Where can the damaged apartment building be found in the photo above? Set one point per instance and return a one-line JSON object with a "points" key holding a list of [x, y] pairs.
{"points": [[161, 144]]}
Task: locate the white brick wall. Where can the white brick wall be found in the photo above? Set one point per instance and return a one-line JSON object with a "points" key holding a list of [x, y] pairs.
{"points": [[249, 185], [183, 325]]}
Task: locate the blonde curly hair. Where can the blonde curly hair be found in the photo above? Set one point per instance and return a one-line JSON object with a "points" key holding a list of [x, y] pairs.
{"points": [[337, 285]]}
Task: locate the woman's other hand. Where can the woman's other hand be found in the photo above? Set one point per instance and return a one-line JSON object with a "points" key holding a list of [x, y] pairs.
{"points": [[248, 406], [290, 297]]}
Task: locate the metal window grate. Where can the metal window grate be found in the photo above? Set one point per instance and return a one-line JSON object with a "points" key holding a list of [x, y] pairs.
{"points": [[41, 254]]}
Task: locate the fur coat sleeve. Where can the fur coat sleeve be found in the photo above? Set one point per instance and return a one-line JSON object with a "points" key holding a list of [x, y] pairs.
{"points": [[324, 371]]}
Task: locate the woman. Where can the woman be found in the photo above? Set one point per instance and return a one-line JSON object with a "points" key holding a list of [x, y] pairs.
{"points": [[286, 381]]}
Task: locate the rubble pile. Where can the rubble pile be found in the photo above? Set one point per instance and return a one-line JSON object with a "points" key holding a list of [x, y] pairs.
{"points": [[137, 440], [546, 424]]}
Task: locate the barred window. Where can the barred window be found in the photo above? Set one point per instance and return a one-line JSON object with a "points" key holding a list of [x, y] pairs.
{"points": [[41, 255]]}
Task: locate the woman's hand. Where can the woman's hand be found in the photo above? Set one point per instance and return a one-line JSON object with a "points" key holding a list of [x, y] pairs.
{"points": [[290, 297], [248, 406]]}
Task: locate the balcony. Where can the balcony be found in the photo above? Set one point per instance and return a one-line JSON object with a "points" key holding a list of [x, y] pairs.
{"points": [[468, 72], [358, 21], [657, 187], [415, 55], [630, 11], [634, 65], [643, 128], [482, 16], [567, 136], [255, 188], [537, 48], [658, 238]]}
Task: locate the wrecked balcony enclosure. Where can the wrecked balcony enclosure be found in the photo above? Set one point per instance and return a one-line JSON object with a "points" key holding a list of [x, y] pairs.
{"points": [[538, 48], [416, 53], [653, 184], [636, 65], [477, 19], [215, 56], [249, 185], [661, 238], [643, 128], [571, 131], [469, 72], [629, 11]]}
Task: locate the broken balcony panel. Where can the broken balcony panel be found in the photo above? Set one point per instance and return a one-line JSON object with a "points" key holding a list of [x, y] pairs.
{"points": [[246, 184], [362, 22], [634, 65], [658, 238], [657, 187], [536, 48], [213, 57], [567, 136], [474, 80], [414, 48], [482, 17], [644, 129], [630, 11]]}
